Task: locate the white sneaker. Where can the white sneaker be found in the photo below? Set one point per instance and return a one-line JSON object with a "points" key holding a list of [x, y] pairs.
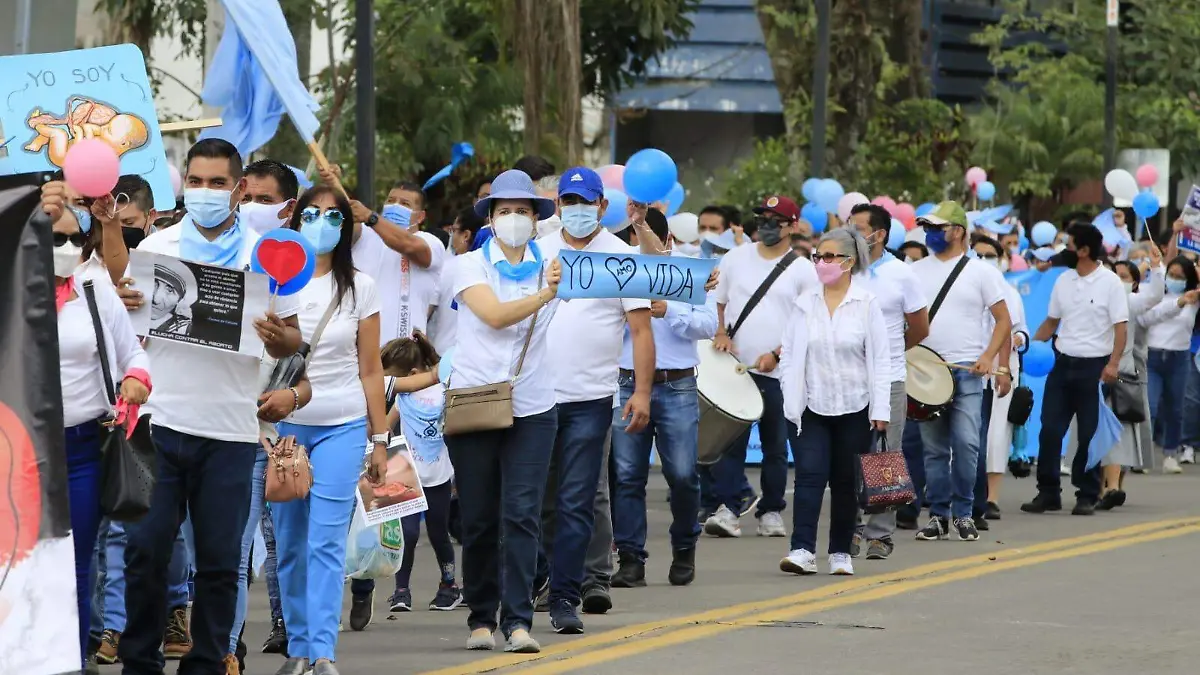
{"points": [[1187, 456], [1064, 468], [839, 564], [771, 525], [1171, 465], [724, 523], [799, 562]]}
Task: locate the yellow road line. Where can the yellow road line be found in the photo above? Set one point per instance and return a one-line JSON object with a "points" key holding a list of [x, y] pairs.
{"points": [[632, 648], [652, 630]]}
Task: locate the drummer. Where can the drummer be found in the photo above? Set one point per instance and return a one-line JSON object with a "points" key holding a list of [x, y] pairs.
{"points": [[673, 430], [905, 311]]}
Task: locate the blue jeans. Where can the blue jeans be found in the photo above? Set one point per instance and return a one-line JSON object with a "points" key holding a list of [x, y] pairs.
{"points": [[310, 537], [774, 430], [674, 430], [501, 479], [951, 445], [257, 502], [209, 481], [1168, 372], [827, 450], [271, 566], [109, 612], [1072, 390], [985, 423], [1191, 405], [83, 486], [914, 458]]}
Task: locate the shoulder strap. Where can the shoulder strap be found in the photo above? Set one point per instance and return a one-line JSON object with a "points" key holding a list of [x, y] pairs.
{"points": [[532, 325], [762, 289], [316, 337], [89, 292], [937, 302]]}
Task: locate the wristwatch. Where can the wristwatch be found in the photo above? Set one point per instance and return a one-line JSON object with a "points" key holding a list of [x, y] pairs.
{"points": [[383, 439], [373, 220]]}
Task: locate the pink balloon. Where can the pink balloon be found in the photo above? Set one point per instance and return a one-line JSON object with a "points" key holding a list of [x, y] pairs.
{"points": [[887, 203], [613, 176], [847, 204], [91, 168], [907, 214], [176, 179], [975, 176], [1146, 175]]}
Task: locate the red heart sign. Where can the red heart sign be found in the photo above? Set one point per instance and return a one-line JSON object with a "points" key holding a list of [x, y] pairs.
{"points": [[282, 260]]}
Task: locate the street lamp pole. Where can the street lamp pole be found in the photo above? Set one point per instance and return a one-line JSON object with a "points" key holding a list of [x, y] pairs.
{"points": [[1110, 93], [364, 109], [820, 89]]}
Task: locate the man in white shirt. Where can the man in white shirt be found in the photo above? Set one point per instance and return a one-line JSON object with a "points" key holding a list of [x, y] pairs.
{"points": [[585, 346], [1089, 312], [443, 324], [206, 431], [951, 440], [906, 313], [754, 337]]}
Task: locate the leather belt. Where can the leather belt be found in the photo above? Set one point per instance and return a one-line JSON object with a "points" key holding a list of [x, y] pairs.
{"points": [[665, 375]]}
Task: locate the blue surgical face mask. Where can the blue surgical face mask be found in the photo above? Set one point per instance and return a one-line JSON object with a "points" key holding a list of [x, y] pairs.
{"points": [[84, 217], [322, 233], [1176, 286], [208, 208], [935, 240], [398, 214], [580, 220]]}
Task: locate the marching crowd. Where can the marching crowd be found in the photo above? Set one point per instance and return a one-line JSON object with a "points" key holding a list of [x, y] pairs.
{"points": [[535, 450]]}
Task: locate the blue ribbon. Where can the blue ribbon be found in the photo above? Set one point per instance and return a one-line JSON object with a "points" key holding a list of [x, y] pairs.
{"points": [[458, 154]]}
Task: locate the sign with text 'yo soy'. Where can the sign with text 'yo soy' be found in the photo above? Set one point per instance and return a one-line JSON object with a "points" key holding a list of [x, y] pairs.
{"points": [[622, 275]]}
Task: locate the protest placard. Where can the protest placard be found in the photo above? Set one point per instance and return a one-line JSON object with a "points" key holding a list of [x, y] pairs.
{"points": [[618, 275], [1189, 239], [48, 102], [196, 304], [401, 493]]}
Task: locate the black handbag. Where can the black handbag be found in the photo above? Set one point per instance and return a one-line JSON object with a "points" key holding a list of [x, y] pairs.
{"points": [[1128, 403], [128, 464], [1021, 405]]}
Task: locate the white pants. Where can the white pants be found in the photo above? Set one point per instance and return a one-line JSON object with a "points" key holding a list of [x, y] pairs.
{"points": [[1000, 431]]}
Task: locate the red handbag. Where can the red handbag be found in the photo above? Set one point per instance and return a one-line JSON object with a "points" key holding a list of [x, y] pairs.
{"points": [[884, 482]]}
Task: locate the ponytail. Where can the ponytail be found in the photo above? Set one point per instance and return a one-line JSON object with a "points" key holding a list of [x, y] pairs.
{"points": [[409, 353]]}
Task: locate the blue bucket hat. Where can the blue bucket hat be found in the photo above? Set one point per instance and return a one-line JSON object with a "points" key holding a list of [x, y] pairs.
{"points": [[515, 184]]}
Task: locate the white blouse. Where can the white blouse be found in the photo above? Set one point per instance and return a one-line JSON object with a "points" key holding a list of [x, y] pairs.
{"points": [[1169, 324], [839, 364], [84, 398]]}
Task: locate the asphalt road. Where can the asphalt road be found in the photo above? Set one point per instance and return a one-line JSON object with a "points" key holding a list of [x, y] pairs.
{"points": [[1054, 593]]}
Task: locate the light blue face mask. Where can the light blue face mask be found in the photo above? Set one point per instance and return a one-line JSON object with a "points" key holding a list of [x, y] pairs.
{"points": [[580, 220], [208, 208], [322, 233], [521, 271], [397, 213], [84, 217], [1176, 286]]}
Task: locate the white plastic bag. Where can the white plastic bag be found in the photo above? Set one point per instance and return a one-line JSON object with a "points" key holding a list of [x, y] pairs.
{"points": [[373, 551]]}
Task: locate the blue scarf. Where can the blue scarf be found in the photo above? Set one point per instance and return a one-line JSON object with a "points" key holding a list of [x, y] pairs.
{"points": [[224, 251], [422, 424], [882, 259], [520, 271]]}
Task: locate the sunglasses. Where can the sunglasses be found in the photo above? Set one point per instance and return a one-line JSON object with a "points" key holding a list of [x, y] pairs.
{"points": [[77, 239], [987, 256], [310, 215], [830, 257]]}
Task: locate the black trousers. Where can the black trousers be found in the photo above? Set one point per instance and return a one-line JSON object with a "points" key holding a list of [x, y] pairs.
{"points": [[1072, 391]]}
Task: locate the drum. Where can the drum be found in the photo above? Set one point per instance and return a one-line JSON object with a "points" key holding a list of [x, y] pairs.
{"points": [[929, 385], [729, 401]]}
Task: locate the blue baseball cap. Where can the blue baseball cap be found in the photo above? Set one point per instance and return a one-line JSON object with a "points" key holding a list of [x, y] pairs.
{"points": [[581, 181]]}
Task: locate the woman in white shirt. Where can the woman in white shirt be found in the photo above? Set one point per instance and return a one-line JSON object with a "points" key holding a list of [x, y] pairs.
{"points": [[1170, 325], [506, 298], [836, 379], [85, 401], [346, 375]]}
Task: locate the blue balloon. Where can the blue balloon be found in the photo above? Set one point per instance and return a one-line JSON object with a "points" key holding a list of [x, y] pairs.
{"points": [[896, 235], [649, 175], [809, 189], [1023, 242], [614, 215], [816, 216], [675, 200], [444, 365], [1145, 205], [1043, 233], [1039, 359], [829, 193], [283, 234], [986, 190], [925, 208]]}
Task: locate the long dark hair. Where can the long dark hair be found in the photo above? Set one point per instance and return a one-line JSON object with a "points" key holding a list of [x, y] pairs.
{"points": [[1189, 271], [343, 263], [406, 354]]}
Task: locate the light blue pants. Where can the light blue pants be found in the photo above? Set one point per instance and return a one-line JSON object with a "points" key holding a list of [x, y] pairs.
{"points": [[310, 537], [257, 503]]}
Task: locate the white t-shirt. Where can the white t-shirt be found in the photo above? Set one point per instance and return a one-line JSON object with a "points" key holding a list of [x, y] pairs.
{"points": [[1087, 309], [956, 333], [895, 287], [373, 258], [333, 366], [199, 391], [1170, 326], [79, 357], [743, 270], [484, 355], [443, 326], [93, 269], [586, 334]]}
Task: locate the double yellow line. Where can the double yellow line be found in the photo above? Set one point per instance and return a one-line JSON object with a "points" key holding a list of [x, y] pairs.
{"points": [[641, 638]]}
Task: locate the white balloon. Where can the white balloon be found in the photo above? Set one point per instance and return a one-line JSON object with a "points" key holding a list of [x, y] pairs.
{"points": [[1121, 184], [848, 202], [685, 227]]}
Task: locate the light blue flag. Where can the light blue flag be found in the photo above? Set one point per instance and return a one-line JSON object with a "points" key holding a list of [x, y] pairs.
{"points": [[996, 213], [458, 154], [616, 275], [1108, 434], [301, 177], [255, 79]]}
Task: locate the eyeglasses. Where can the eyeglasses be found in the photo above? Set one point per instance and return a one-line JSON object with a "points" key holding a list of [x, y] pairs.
{"points": [[310, 215], [830, 257], [77, 239]]}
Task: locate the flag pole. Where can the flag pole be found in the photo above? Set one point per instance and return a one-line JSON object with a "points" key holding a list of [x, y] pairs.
{"points": [[323, 163]]}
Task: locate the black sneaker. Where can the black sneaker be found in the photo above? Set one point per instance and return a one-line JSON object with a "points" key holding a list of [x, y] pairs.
{"points": [[563, 618], [631, 572], [992, 512], [361, 611], [401, 601], [879, 549], [541, 598], [683, 566], [448, 597], [966, 530], [1083, 507], [277, 641], [981, 523], [596, 599], [1042, 503], [936, 530], [748, 503]]}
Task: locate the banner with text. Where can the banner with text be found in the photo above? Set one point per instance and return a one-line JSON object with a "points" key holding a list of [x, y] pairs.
{"points": [[618, 275]]}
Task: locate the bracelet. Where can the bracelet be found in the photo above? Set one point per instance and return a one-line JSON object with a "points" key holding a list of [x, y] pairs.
{"points": [[295, 398]]}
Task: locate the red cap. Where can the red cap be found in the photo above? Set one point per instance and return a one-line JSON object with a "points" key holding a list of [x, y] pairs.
{"points": [[781, 206]]}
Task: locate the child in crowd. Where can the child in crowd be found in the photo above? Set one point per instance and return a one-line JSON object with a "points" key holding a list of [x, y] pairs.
{"points": [[419, 396]]}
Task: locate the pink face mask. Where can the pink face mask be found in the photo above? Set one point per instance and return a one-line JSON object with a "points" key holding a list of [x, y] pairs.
{"points": [[829, 272]]}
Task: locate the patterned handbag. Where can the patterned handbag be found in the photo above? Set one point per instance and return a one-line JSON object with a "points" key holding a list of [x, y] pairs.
{"points": [[884, 482]]}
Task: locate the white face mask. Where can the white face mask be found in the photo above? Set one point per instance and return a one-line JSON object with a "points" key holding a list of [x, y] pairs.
{"points": [[691, 250], [262, 218], [549, 226], [710, 237], [1128, 286], [513, 229], [66, 259]]}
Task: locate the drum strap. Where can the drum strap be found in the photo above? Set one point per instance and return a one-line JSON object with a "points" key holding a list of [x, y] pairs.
{"points": [[780, 267], [937, 302]]}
